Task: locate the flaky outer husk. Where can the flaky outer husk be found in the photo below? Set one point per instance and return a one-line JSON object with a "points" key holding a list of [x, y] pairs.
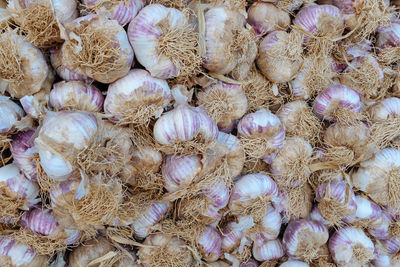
{"points": [[384, 132], [260, 93], [298, 202], [96, 209], [94, 49], [180, 45], [39, 23], [366, 79]]}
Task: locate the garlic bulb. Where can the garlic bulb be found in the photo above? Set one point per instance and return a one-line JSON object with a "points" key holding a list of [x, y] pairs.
{"points": [[280, 56], [10, 114], [385, 109], [146, 160], [224, 102], [337, 103], [320, 20], [218, 193], [251, 194], [185, 128], [367, 215], [150, 217], [294, 202], [336, 201], [298, 120], [291, 165], [303, 238], [64, 69], [269, 228], [388, 36], [179, 171], [234, 235], [13, 253], [266, 17], [365, 75], [261, 134], [24, 154], [235, 156], [382, 228], [121, 11], [106, 39], [164, 250], [62, 132], [392, 245], [350, 245], [378, 177], [209, 244], [24, 68], [165, 42], [294, 263], [270, 250], [136, 97], [316, 215], [76, 95], [41, 20]]}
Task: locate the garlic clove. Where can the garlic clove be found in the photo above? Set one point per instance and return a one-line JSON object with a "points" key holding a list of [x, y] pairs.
{"points": [[150, 217], [270, 250], [209, 244]]}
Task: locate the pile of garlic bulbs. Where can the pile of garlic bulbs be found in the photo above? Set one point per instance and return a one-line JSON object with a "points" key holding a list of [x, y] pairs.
{"points": [[199, 133]]}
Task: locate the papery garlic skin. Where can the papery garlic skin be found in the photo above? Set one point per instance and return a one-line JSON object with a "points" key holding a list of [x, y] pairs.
{"points": [[24, 151], [151, 216], [135, 91], [114, 57], [263, 124], [385, 109], [17, 254], [17, 186], [10, 114], [303, 237], [316, 215], [209, 244], [366, 211], [250, 187], [274, 61], [234, 232], [333, 97], [389, 36], [377, 177], [320, 20], [381, 230], [350, 245], [224, 102], [76, 95], [270, 226], [266, 17], [121, 11], [30, 71], [235, 156], [294, 202], [147, 159], [73, 129], [294, 263], [270, 250], [219, 193]]}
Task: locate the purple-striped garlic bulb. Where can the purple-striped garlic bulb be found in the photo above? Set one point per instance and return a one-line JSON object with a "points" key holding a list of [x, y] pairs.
{"points": [[42, 222], [269, 250], [41, 20], [391, 245], [269, 227], [382, 228], [316, 215], [152, 215], [294, 202], [14, 253], [179, 171], [235, 156], [364, 75], [304, 238], [121, 11], [165, 42], [381, 256], [209, 243], [76, 95], [378, 177], [98, 48], [298, 119], [350, 245], [266, 17], [367, 215], [136, 98], [223, 102], [336, 200], [65, 70], [320, 20], [62, 136], [10, 114], [24, 154], [347, 144], [223, 53], [234, 235], [294, 263], [385, 118], [24, 68], [185, 129], [261, 134], [337, 103], [251, 195], [280, 56], [163, 250], [291, 166]]}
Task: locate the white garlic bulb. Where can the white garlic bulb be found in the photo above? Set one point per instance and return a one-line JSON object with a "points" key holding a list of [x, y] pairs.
{"points": [[136, 97], [10, 114]]}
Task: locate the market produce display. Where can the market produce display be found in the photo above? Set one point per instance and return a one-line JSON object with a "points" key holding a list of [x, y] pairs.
{"points": [[185, 133]]}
